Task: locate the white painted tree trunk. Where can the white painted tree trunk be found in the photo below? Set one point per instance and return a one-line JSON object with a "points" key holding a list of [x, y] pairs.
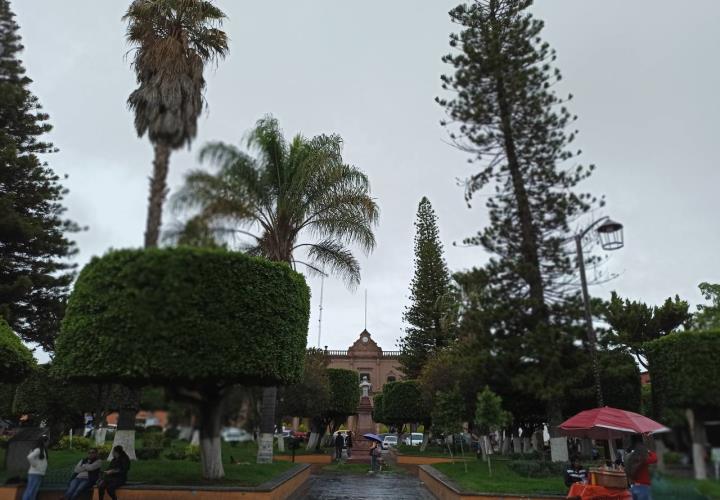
{"points": [[265, 448], [517, 444], [195, 439], [100, 434], [313, 441], [697, 430], [126, 439], [281, 444], [210, 445]]}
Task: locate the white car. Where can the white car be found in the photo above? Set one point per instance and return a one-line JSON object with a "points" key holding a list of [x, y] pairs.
{"points": [[235, 435], [414, 439], [389, 441]]}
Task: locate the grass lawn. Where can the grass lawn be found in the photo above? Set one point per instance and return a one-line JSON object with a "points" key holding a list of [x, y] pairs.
{"points": [[183, 472], [503, 480], [432, 450]]}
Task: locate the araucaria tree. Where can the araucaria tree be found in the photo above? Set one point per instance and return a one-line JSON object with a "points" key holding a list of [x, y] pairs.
{"points": [[173, 41], [34, 271], [431, 315], [514, 124], [296, 202]]}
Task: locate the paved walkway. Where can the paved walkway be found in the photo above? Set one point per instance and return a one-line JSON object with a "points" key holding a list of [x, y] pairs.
{"points": [[336, 486]]}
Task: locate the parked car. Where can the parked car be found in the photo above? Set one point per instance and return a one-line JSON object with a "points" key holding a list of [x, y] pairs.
{"points": [[235, 435], [299, 435], [414, 439], [389, 441]]}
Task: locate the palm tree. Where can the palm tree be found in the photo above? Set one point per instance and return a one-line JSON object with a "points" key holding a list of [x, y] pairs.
{"points": [[173, 40], [295, 202]]}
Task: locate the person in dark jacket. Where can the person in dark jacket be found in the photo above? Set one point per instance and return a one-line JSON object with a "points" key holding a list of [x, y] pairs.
{"points": [[349, 443], [86, 474], [115, 475], [339, 445]]}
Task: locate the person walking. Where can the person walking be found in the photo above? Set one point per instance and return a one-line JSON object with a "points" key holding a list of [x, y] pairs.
{"points": [[115, 475], [375, 452], [349, 444], [637, 469], [339, 444], [38, 459]]}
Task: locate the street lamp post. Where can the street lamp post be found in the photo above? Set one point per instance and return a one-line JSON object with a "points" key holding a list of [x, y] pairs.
{"points": [[611, 238]]}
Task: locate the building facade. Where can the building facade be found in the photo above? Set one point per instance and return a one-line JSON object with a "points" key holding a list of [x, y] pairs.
{"points": [[369, 361]]}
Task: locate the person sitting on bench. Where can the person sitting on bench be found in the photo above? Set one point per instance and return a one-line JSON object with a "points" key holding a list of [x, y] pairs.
{"points": [[115, 475], [85, 475]]}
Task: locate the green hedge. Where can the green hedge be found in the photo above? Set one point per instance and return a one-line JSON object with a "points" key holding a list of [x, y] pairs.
{"points": [[16, 360], [185, 316], [685, 370]]}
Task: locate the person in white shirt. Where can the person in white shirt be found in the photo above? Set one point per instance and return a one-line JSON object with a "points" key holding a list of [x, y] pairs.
{"points": [[38, 459]]}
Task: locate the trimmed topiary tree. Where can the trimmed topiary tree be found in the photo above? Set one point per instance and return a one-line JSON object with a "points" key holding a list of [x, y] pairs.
{"points": [[196, 321], [344, 399], [16, 360], [684, 370], [58, 403], [403, 403]]}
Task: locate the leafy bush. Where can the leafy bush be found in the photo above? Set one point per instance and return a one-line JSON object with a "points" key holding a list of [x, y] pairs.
{"points": [[175, 454], [104, 450], [78, 443], [673, 457], [534, 468], [172, 433], [532, 455], [153, 440], [192, 453], [185, 315], [148, 453], [154, 429]]}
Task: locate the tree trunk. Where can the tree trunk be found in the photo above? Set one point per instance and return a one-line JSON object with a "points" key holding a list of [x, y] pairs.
{"points": [[697, 430], [210, 446], [158, 192], [125, 432], [426, 439], [100, 433], [267, 426]]}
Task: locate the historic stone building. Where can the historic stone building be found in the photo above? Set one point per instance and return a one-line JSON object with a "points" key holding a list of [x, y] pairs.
{"points": [[369, 360]]}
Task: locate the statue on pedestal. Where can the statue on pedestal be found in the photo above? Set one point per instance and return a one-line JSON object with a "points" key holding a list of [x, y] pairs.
{"points": [[366, 387]]}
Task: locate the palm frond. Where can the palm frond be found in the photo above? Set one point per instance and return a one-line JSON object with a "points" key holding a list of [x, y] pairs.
{"points": [[334, 257]]}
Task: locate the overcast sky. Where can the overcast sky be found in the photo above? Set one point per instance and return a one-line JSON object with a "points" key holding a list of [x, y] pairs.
{"points": [[644, 75]]}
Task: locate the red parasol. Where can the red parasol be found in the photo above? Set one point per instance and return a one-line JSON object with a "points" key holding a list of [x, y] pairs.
{"points": [[609, 423]]}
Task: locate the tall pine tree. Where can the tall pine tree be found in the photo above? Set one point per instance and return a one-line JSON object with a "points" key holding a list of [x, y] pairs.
{"points": [[34, 270], [432, 312], [515, 125]]}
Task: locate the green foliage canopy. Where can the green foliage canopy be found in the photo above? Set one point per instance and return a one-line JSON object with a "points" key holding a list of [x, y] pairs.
{"points": [[185, 316], [489, 413], [344, 393], [311, 396], [684, 370], [403, 403], [708, 316], [16, 360], [634, 323], [447, 412]]}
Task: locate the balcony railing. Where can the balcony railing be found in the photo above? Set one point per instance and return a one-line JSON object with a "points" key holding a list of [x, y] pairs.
{"points": [[344, 353]]}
